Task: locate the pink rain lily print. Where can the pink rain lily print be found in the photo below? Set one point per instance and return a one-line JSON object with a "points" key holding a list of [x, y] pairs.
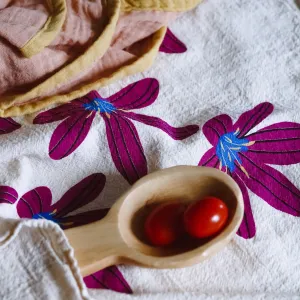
{"points": [[8, 195], [8, 125], [246, 156], [37, 204], [109, 278], [171, 44], [123, 140]]}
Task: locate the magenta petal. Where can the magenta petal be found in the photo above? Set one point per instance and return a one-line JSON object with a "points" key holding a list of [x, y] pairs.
{"points": [[171, 44], [35, 201], [179, 133], [8, 125], [251, 118], [83, 218], [63, 111], [271, 186], [214, 128], [80, 194], [247, 229], [209, 159], [278, 144], [109, 278], [8, 195], [126, 149], [58, 113], [69, 134], [137, 95]]}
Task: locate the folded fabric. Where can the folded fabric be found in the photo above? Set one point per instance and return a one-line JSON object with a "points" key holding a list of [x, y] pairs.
{"points": [[240, 74], [55, 51], [36, 262]]}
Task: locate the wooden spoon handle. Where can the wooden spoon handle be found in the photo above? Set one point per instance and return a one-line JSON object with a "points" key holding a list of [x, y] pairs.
{"points": [[96, 245]]}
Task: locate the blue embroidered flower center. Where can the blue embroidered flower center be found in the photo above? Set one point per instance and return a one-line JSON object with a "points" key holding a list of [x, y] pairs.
{"points": [[100, 105], [45, 215], [228, 148]]}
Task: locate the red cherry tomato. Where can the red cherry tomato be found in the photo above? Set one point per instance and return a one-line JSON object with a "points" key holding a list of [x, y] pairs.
{"points": [[164, 225], [205, 217]]}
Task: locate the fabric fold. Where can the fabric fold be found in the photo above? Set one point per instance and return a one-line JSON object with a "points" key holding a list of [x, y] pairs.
{"points": [[72, 47], [53, 260]]}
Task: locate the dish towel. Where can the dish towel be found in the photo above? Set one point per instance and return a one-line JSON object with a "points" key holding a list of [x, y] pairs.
{"points": [[236, 85], [37, 262]]}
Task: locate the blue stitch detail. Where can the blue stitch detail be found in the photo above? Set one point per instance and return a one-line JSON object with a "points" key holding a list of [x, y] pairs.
{"points": [[100, 105], [228, 148], [45, 215]]}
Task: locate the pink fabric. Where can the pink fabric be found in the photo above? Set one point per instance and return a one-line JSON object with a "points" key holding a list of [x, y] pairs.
{"points": [[83, 24], [81, 27], [131, 28], [136, 25], [19, 24]]}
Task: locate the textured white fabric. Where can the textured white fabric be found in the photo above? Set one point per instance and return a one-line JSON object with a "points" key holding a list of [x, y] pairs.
{"points": [[36, 262], [240, 53]]}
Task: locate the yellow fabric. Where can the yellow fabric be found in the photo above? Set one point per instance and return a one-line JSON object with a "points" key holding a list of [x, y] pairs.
{"points": [[164, 5], [97, 50], [15, 105], [139, 65], [49, 31]]}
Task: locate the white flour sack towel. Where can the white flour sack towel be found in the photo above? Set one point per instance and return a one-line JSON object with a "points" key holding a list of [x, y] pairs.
{"points": [[228, 74]]}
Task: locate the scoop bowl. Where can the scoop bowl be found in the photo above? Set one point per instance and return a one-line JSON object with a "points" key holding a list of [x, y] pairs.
{"points": [[119, 237]]}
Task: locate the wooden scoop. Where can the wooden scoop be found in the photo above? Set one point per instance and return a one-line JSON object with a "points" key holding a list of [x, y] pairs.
{"points": [[119, 239]]}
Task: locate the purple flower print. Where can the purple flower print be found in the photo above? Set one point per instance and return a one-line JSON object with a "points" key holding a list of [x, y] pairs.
{"points": [[8, 195], [36, 204], [8, 125], [171, 44], [245, 156], [124, 143], [109, 278]]}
